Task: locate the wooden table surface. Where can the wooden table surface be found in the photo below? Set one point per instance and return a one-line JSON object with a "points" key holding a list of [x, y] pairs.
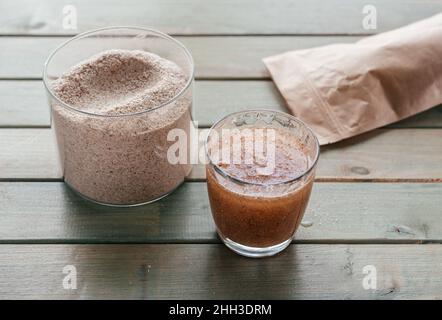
{"points": [[377, 200]]}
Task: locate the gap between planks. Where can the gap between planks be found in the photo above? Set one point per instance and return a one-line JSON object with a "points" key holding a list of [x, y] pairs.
{"points": [[367, 241], [317, 180]]}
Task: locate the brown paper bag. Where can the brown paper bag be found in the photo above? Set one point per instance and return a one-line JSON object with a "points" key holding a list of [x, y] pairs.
{"points": [[342, 90]]}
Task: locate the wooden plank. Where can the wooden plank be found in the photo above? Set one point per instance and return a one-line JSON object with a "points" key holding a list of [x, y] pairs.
{"points": [[215, 57], [28, 153], [379, 155], [213, 272], [409, 154], [23, 103], [219, 17], [49, 212], [216, 99], [385, 154]]}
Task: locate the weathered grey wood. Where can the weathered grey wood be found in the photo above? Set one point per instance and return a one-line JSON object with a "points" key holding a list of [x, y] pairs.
{"points": [[215, 57], [409, 154], [23, 103], [216, 99], [28, 153], [380, 155], [217, 17], [49, 212], [211, 271], [386, 154]]}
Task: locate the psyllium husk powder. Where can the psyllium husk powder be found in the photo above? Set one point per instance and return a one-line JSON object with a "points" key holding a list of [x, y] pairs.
{"points": [[112, 132]]}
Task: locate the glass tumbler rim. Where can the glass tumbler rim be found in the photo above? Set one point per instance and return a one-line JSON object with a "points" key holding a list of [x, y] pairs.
{"points": [[132, 28], [225, 174]]}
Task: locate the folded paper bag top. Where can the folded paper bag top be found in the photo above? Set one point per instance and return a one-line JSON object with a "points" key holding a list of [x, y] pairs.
{"points": [[342, 90]]}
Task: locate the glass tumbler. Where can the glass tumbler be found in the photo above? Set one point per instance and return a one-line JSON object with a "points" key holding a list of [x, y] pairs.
{"points": [[258, 218], [120, 159]]}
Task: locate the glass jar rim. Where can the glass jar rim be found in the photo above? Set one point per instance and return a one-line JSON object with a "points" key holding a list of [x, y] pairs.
{"points": [[225, 174], [87, 33]]}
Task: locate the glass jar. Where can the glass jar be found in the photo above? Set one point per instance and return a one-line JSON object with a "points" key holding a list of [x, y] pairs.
{"points": [[258, 217], [121, 159]]}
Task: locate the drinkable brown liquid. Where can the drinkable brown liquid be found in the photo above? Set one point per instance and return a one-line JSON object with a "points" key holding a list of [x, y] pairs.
{"points": [[267, 214]]}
